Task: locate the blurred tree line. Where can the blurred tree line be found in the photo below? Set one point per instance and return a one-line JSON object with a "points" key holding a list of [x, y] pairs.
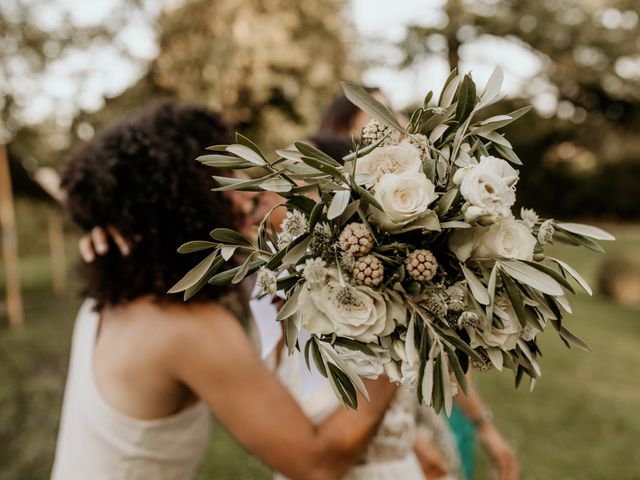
{"points": [[585, 159], [272, 65]]}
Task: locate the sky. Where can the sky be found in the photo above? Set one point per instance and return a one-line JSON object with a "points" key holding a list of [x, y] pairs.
{"points": [[108, 74], [381, 17]]}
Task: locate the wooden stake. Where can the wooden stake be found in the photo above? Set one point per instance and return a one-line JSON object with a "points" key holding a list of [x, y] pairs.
{"points": [[9, 238]]}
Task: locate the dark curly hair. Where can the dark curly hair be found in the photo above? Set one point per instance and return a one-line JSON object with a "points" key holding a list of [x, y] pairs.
{"points": [[341, 113], [140, 177]]}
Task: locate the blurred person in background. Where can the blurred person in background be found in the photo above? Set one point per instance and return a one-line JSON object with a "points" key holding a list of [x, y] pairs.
{"points": [[395, 451], [146, 369], [470, 417]]}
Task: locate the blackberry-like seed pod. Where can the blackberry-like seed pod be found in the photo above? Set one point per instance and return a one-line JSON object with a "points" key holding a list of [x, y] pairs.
{"points": [[421, 265], [356, 239], [368, 270]]}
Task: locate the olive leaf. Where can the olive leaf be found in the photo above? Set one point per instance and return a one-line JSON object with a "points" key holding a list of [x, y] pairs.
{"points": [[194, 275], [365, 102]]}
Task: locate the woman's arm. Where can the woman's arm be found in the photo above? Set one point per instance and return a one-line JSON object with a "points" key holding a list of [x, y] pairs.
{"points": [[431, 459], [214, 358], [502, 456]]}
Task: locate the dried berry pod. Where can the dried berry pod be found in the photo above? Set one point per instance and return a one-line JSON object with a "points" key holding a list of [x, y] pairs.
{"points": [[356, 239], [368, 270], [421, 265]]}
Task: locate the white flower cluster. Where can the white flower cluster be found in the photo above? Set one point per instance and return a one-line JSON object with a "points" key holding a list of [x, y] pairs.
{"points": [[293, 225], [315, 271], [399, 186], [489, 189], [374, 131], [267, 282]]}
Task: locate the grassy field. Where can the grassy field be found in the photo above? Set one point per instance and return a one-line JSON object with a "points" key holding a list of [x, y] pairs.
{"points": [[582, 421]]}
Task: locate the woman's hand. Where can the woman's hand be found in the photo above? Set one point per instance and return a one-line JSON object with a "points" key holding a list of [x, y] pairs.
{"points": [[501, 455], [431, 459], [96, 243]]}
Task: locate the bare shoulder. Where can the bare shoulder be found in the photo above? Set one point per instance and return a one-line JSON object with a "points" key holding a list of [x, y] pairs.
{"points": [[205, 326]]}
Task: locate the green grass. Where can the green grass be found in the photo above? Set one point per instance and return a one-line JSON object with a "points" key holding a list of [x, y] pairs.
{"points": [[582, 421]]}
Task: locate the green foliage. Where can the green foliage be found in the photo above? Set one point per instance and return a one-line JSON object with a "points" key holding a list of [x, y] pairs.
{"points": [[588, 50], [270, 66]]}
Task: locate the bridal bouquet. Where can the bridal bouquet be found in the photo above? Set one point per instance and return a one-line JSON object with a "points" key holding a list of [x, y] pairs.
{"points": [[405, 256]]}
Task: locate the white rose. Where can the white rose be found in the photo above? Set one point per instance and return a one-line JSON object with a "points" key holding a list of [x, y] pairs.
{"points": [[362, 364], [505, 239], [488, 188], [463, 241], [529, 333], [492, 336], [357, 312], [500, 167], [401, 158], [404, 197]]}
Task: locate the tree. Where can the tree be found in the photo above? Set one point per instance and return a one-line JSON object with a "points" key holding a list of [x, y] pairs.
{"points": [[589, 53], [590, 61], [269, 65], [36, 35]]}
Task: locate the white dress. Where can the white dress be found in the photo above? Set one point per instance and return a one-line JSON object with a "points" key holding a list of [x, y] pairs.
{"points": [[97, 442], [389, 455]]}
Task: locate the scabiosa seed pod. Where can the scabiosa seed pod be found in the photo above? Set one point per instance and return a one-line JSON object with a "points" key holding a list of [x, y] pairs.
{"points": [[421, 265], [483, 364], [456, 298], [368, 270], [374, 131], [468, 319], [436, 304], [356, 239], [545, 233], [347, 262]]}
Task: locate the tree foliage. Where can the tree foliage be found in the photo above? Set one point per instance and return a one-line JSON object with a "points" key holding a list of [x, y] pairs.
{"points": [[269, 65], [590, 62]]}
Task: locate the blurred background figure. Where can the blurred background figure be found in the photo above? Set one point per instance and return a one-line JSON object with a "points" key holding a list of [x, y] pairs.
{"points": [[67, 68]]}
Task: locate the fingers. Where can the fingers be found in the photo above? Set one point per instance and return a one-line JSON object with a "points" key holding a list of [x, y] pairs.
{"points": [[100, 243], [86, 249], [507, 466], [121, 242]]}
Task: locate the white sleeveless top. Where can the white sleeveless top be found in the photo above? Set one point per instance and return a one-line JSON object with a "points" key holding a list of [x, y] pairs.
{"points": [[99, 443]]}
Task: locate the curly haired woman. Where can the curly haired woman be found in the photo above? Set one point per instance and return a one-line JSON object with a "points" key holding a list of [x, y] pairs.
{"points": [[146, 369]]}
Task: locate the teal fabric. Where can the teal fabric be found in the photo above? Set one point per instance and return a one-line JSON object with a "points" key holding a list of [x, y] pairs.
{"points": [[465, 435]]}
